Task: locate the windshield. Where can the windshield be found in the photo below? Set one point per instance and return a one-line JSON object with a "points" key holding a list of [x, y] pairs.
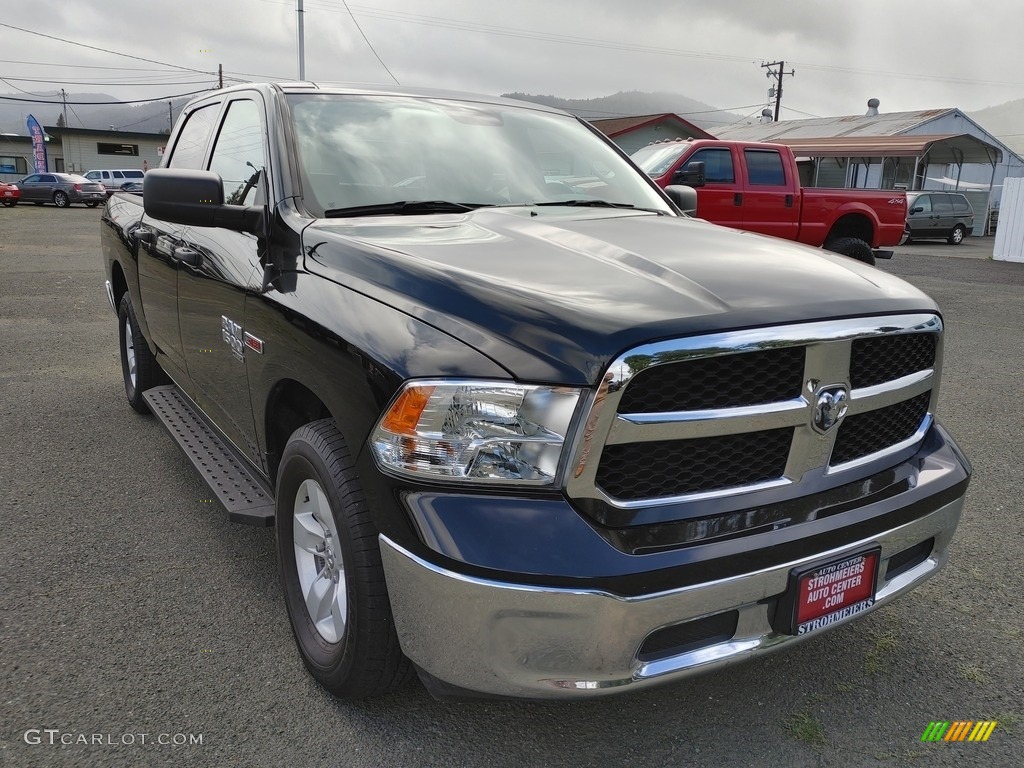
{"points": [[656, 159], [370, 151]]}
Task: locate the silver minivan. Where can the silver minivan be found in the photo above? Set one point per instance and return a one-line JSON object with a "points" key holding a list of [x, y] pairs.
{"points": [[947, 216], [113, 179]]}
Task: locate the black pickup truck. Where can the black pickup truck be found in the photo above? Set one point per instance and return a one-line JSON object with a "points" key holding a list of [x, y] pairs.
{"points": [[523, 427]]}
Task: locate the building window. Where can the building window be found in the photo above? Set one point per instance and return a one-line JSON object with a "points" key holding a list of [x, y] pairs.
{"points": [[117, 149], [13, 165]]}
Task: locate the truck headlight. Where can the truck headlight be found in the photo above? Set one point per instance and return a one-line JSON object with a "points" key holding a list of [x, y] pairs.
{"points": [[476, 431]]}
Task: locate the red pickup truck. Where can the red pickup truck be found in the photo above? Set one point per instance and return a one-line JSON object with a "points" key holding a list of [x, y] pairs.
{"points": [[756, 187]]}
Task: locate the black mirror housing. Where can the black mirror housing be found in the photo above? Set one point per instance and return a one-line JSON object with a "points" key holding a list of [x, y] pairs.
{"points": [[195, 198], [693, 175]]}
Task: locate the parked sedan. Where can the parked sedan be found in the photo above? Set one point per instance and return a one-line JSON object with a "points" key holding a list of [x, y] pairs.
{"points": [[61, 189], [9, 194]]}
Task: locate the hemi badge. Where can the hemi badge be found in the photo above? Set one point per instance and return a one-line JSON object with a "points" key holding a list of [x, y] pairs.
{"points": [[256, 345]]}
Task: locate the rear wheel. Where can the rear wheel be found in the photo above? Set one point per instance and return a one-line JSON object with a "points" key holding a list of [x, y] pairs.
{"points": [[61, 199], [331, 568], [10, 203], [92, 205], [957, 235], [139, 368], [853, 247]]}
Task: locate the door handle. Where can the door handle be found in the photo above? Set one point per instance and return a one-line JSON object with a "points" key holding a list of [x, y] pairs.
{"points": [[737, 198], [189, 256], [789, 201]]}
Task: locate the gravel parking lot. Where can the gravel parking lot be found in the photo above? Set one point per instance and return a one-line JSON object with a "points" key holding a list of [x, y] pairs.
{"points": [[139, 627]]}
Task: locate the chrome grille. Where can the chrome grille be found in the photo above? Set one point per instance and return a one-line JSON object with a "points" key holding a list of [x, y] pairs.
{"points": [[874, 431], [755, 378], [886, 358], [734, 413], [675, 467]]}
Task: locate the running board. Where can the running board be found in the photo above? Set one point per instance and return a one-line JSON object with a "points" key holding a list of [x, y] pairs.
{"points": [[246, 498]]}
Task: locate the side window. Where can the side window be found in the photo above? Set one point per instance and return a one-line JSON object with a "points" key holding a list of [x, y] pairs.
{"points": [[764, 167], [47, 178], [941, 204], [31, 179], [960, 204], [238, 154], [717, 165], [924, 202], [190, 147], [92, 175], [117, 174]]}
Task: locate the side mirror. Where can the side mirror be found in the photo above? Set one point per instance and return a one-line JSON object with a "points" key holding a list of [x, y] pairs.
{"points": [[684, 197], [917, 209], [196, 199], [692, 175]]}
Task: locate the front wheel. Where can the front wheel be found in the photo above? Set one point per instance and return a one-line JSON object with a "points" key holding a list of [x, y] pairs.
{"points": [[853, 247], [61, 199], [957, 235], [92, 205], [138, 366], [331, 568]]}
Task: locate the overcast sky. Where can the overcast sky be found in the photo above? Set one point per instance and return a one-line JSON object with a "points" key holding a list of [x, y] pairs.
{"points": [[910, 55]]}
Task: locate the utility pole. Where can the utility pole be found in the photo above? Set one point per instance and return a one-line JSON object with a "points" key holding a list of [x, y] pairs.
{"points": [[778, 81], [170, 116], [220, 75], [64, 101], [302, 43]]}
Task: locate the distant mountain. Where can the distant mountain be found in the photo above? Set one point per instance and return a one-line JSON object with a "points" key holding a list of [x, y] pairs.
{"points": [[1006, 122], [630, 103], [151, 117]]}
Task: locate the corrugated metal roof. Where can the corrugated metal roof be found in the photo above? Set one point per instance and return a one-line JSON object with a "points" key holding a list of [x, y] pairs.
{"points": [[940, 148], [884, 124]]}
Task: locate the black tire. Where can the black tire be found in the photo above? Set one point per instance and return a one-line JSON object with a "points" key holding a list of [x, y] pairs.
{"points": [[147, 372], [61, 199], [92, 205], [956, 237], [317, 479], [10, 203], [853, 247]]}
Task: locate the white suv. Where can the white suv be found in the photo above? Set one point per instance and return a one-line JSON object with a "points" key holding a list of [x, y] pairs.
{"points": [[113, 180]]}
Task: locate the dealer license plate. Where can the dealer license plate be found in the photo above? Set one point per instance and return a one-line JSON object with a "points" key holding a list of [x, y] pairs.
{"points": [[833, 592]]}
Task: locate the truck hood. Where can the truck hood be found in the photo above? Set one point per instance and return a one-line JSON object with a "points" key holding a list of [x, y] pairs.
{"points": [[554, 294]]}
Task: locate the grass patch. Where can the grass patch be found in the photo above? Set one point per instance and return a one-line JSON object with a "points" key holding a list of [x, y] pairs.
{"points": [[974, 673], [805, 727], [875, 661]]}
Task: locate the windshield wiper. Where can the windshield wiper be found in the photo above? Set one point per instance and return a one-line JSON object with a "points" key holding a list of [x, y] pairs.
{"points": [[400, 208], [592, 203], [588, 203]]}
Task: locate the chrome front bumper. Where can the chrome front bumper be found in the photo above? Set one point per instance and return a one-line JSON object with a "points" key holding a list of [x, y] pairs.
{"points": [[524, 641]]}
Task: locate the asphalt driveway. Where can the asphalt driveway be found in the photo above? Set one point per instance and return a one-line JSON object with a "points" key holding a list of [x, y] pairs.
{"points": [[139, 627]]}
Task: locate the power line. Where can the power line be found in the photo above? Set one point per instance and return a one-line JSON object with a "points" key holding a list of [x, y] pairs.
{"points": [[105, 103], [103, 50], [367, 41]]}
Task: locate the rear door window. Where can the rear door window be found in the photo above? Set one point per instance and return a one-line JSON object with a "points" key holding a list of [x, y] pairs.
{"points": [[764, 167], [942, 204]]}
